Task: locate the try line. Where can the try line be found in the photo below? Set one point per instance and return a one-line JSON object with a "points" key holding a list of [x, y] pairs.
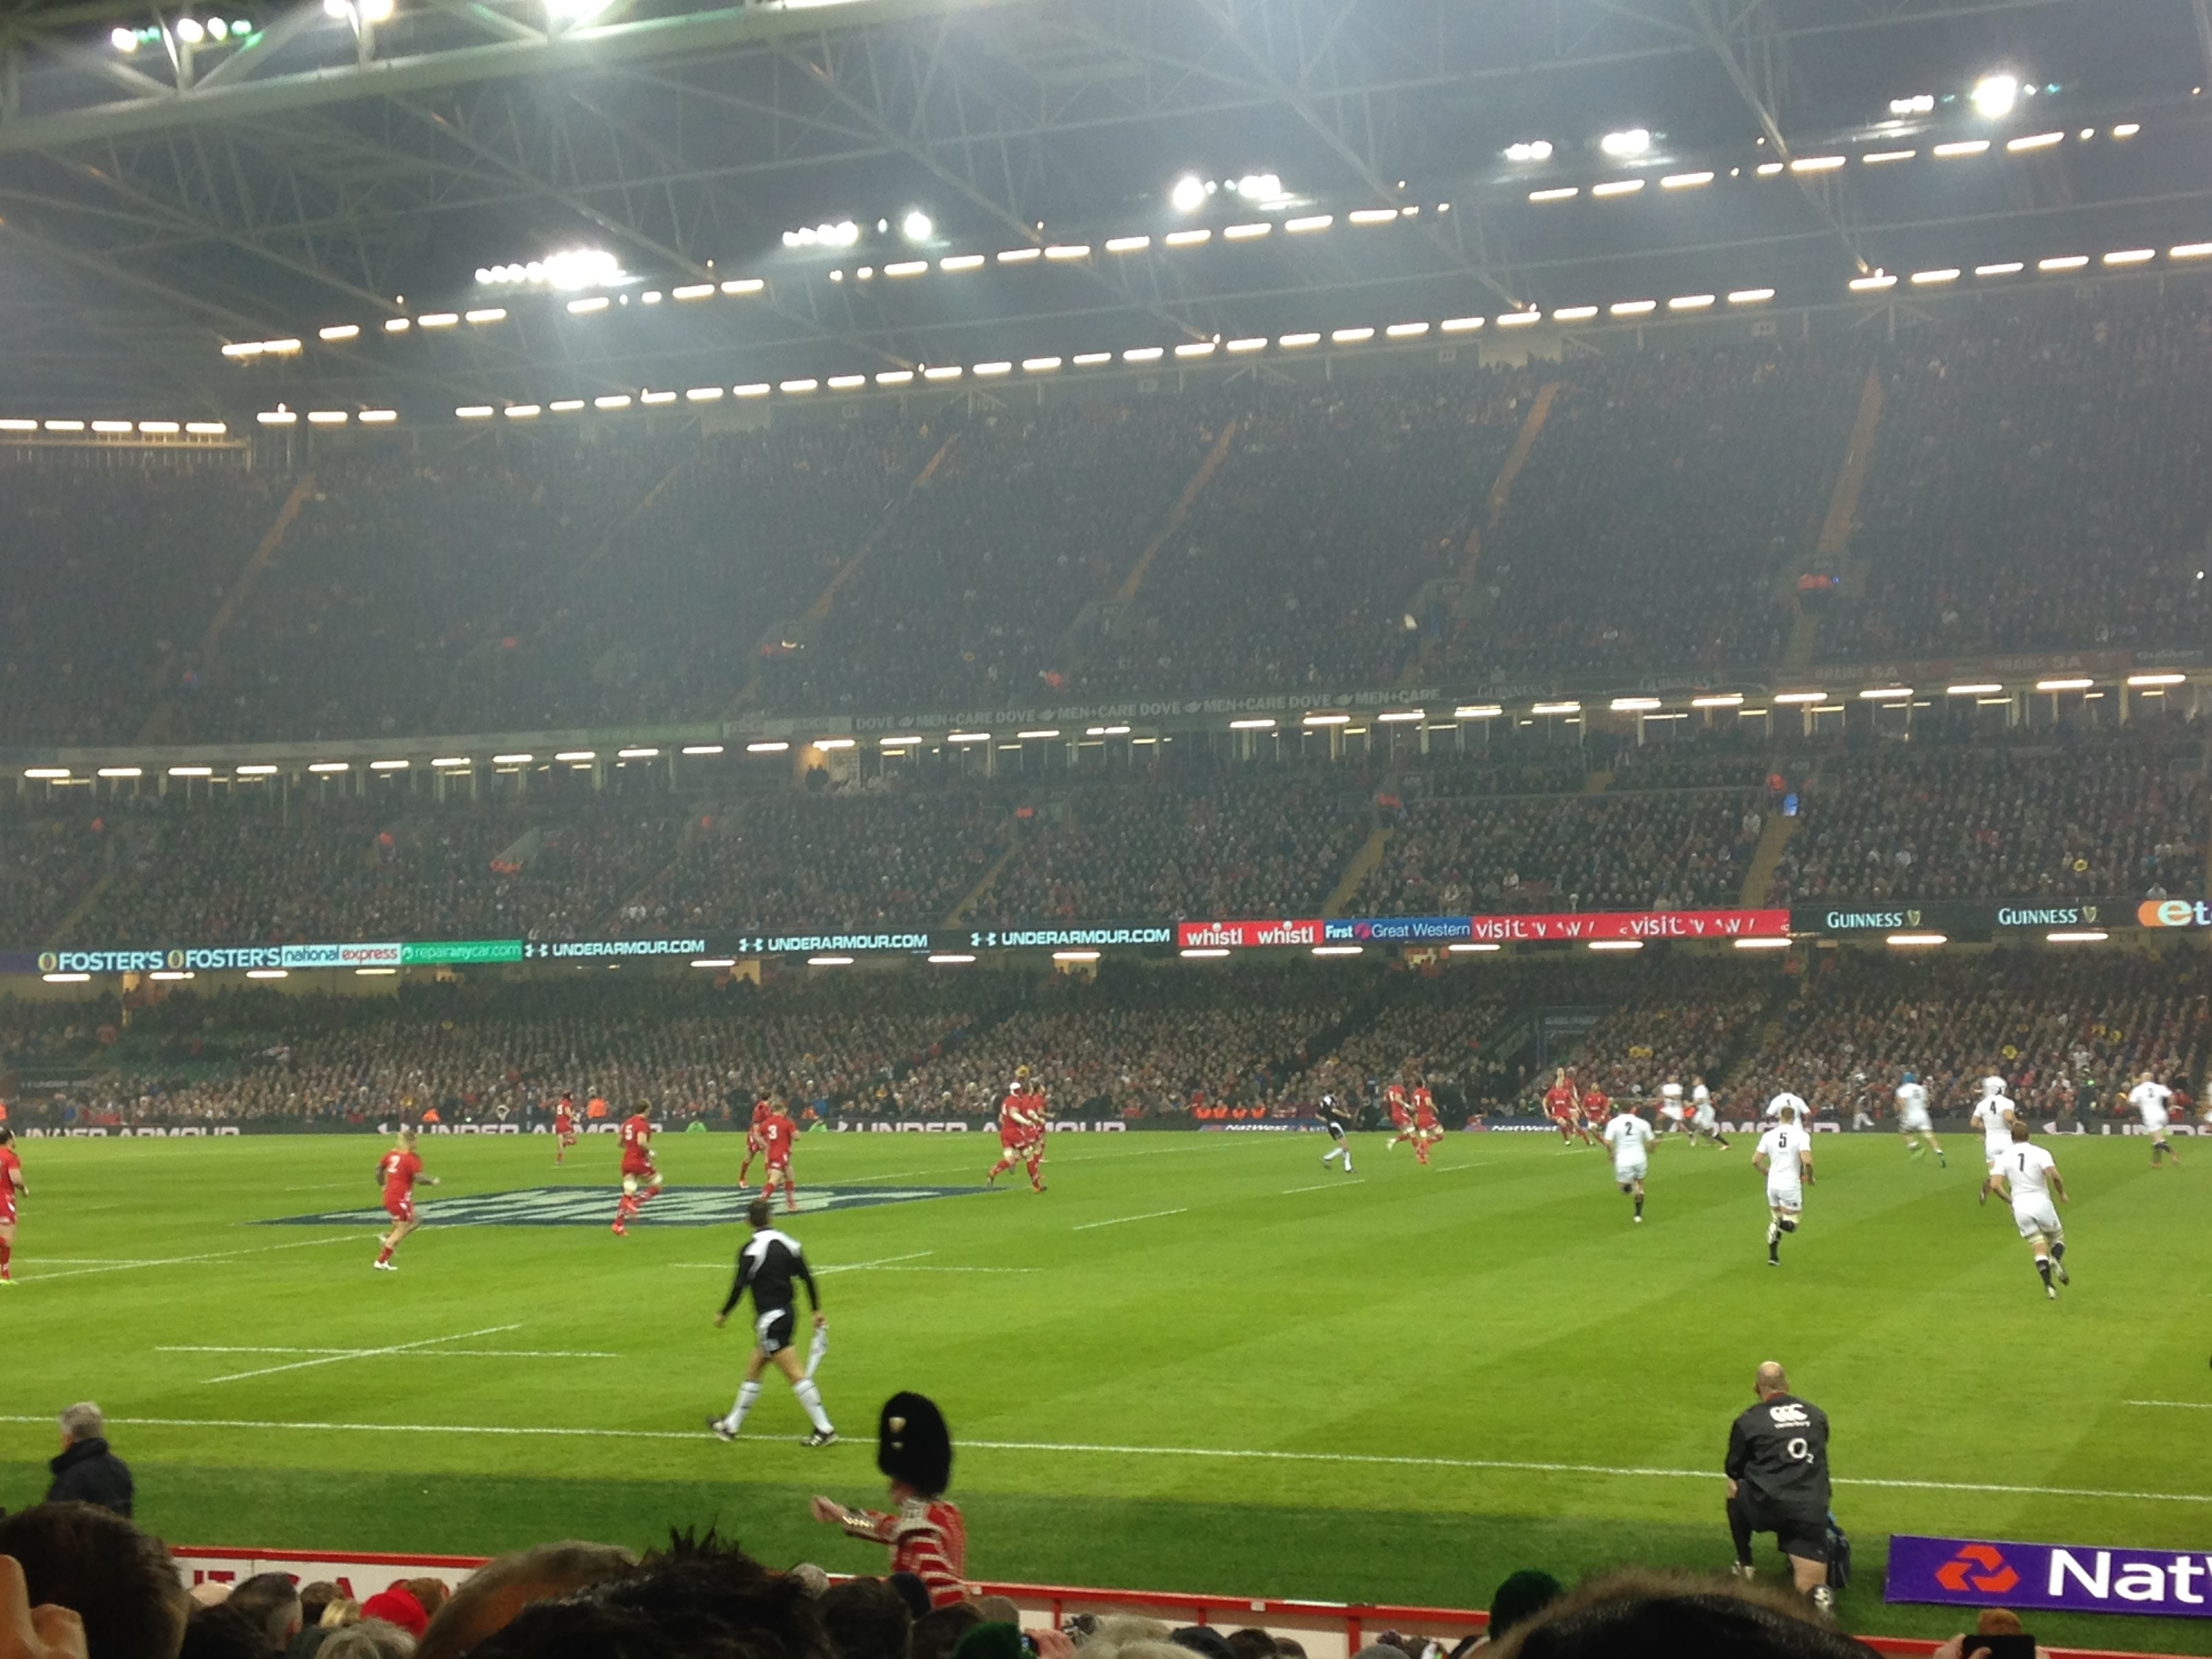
{"points": [[1059, 1447], [1150, 1215]]}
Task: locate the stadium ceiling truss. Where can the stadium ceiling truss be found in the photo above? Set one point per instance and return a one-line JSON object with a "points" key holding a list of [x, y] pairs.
{"points": [[165, 197]]}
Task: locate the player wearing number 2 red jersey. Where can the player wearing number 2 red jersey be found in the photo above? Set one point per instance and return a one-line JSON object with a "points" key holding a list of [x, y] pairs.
{"points": [[777, 1135], [640, 1180], [564, 1129], [397, 1171], [11, 1183]]}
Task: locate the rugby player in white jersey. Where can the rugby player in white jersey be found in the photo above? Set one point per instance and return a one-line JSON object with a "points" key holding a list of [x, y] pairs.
{"points": [[1993, 1116], [1631, 1138], [1673, 1113], [1702, 1120], [2154, 1100], [2028, 1177], [1912, 1119], [1794, 1105], [1785, 1153]]}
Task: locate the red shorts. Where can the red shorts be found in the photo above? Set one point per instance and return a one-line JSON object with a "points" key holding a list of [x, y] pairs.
{"points": [[400, 1209], [780, 1166], [640, 1167], [7, 1210]]}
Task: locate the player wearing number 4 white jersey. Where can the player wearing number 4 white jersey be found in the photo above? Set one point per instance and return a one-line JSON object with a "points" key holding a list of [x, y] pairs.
{"points": [[1785, 1153], [1912, 1119], [2153, 1099], [1993, 1116], [2028, 1175], [1631, 1138]]}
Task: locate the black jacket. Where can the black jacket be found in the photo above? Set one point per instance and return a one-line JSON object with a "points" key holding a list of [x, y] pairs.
{"points": [[1778, 1454], [88, 1472]]}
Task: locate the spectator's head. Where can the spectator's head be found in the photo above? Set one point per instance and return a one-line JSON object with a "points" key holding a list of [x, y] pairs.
{"points": [[120, 1581], [1770, 1379], [1251, 1644], [911, 1590], [223, 1632], [1204, 1641], [1643, 1612], [867, 1619], [491, 1597], [339, 1612], [431, 1592], [367, 1638], [1521, 1598], [270, 1600], [398, 1606], [83, 1421], [315, 1597], [994, 1639], [937, 1633], [914, 1447]]}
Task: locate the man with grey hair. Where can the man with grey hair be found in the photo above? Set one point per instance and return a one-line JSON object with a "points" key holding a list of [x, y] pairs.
{"points": [[86, 1472]]}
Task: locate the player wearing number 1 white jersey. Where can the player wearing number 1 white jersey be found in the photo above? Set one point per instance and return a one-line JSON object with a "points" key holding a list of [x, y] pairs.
{"points": [[1788, 1106], [2032, 1180], [1785, 1153], [2153, 1098], [1912, 1119], [1631, 1138], [1672, 1114], [1702, 1120]]}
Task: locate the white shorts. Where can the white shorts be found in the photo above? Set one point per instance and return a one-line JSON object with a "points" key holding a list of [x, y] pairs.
{"points": [[1994, 1150], [2156, 1131], [1790, 1198], [1915, 1118], [1626, 1172], [2040, 1217], [1703, 1117], [1672, 1114]]}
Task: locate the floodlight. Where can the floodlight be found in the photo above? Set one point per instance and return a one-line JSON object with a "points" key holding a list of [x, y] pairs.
{"points": [[1920, 103], [1995, 95], [1534, 150], [122, 40], [918, 225], [1632, 142], [1188, 194], [375, 11], [189, 32], [1266, 185]]}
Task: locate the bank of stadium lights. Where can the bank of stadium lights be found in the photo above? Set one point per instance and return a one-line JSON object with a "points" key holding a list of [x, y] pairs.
{"points": [[843, 233], [1994, 95], [1190, 192], [1532, 149], [567, 270], [1628, 142], [917, 226], [186, 31]]}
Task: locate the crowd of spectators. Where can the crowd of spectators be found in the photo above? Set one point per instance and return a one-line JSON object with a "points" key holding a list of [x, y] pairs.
{"points": [[1651, 525], [1907, 824], [1301, 561], [2039, 482], [2069, 1036], [1676, 1021], [49, 859], [1643, 850]]}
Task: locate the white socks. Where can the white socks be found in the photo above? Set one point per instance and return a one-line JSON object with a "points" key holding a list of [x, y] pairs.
{"points": [[809, 1397], [747, 1393]]}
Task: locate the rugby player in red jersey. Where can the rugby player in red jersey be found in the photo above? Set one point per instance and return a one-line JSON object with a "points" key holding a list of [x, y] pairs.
{"points": [[1402, 1118], [11, 1182], [1596, 1108], [637, 1171], [1020, 1131], [398, 1170], [1560, 1102], [762, 1107], [565, 1127], [1034, 1116], [776, 1136], [1428, 1129]]}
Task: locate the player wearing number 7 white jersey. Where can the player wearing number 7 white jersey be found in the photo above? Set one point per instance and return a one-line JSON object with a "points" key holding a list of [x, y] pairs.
{"points": [[1785, 1153], [1912, 1119], [2031, 1179]]}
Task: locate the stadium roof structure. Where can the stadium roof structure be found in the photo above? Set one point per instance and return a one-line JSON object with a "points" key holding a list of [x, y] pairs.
{"points": [[351, 174]]}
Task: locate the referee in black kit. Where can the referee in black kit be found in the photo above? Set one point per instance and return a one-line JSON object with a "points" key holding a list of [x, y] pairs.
{"points": [[1777, 1482]]}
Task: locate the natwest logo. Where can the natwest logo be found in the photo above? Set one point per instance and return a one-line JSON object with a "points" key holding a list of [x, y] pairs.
{"points": [[1977, 1566], [1241, 935]]}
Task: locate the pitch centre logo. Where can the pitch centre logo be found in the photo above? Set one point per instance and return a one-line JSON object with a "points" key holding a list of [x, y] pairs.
{"points": [[1995, 1578], [594, 1206]]}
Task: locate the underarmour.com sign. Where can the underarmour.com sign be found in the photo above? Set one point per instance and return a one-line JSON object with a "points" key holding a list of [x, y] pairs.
{"points": [[2080, 1577]]}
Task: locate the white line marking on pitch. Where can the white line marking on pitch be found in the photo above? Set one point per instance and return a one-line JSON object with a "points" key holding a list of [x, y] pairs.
{"points": [[119, 1265], [1059, 1448], [880, 1261], [2175, 1404], [442, 1354], [1356, 1180], [362, 1353], [1154, 1215]]}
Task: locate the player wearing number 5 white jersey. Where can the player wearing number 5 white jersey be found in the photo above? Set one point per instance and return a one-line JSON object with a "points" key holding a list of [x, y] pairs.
{"points": [[1785, 1153], [2153, 1099], [1629, 1137], [1912, 1119], [2031, 1179]]}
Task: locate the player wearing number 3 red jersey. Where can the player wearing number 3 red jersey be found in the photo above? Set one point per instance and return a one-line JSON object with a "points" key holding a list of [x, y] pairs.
{"points": [[640, 1180], [397, 1171], [11, 1183], [777, 1135]]}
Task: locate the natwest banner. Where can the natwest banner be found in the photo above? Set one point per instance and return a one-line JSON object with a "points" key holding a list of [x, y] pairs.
{"points": [[1631, 924], [2079, 1577], [1240, 935]]}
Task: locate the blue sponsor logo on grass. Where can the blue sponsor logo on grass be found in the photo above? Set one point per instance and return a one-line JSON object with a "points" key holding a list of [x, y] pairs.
{"points": [[594, 1206]]}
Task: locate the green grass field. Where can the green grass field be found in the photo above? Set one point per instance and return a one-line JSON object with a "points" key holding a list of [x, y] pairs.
{"points": [[1199, 1362]]}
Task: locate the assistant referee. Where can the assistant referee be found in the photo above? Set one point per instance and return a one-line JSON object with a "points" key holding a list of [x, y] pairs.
{"points": [[1777, 1482]]}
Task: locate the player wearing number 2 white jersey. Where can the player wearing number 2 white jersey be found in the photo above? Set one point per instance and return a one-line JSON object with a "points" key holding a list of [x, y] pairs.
{"points": [[1785, 1153], [1912, 1119], [2032, 1180], [2153, 1099], [1631, 1138]]}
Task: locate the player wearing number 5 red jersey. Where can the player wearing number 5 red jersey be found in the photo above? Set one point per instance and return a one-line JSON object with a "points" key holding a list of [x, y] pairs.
{"points": [[11, 1183], [397, 1171], [564, 1129], [1561, 1102], [762, 1107], [777, 1135], [640, 1180]]}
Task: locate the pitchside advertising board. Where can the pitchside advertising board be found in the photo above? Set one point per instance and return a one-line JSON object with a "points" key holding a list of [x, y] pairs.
{"points": [[1977, 1572]]}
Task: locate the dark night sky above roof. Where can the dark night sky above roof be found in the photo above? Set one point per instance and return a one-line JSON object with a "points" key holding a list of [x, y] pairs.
{"points": [[295, 191]]}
